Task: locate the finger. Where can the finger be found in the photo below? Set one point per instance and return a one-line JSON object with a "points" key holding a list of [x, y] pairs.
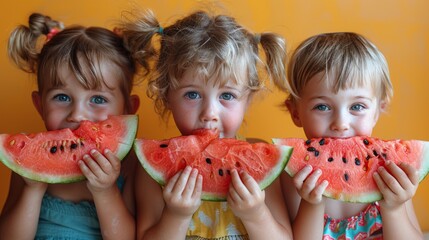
{"points": [[198, 187], [310, 182], [172, 182], [389, 180], [384, 189], [320, 189], [400, 176], [102, 163], [238, 185], [411, 172], [114, 161], [250, 183], [183, 179], [299, 178], [190, 184], [85, 170], [92, 165]]}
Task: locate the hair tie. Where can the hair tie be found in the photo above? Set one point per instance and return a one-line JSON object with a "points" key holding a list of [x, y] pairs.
{"points": [[161, 30], [257, 38], [52, 33]]}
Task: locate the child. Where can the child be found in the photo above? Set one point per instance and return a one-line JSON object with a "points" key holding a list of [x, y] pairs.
{"points": [[205, 76], [338, 84], [82, 74]]}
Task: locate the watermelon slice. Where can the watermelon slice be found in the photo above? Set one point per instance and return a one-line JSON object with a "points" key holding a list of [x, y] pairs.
{"points": [[349, 163], [214, 158], [52, 156]]}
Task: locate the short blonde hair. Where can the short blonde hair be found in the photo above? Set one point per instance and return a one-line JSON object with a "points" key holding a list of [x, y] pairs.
{"points": [[347, 60]]}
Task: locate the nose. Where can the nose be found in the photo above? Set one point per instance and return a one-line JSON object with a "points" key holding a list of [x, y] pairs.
{"points": [[340, 122], [78, 113], [209, 111]]}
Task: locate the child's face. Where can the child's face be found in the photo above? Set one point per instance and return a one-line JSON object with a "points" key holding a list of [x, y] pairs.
{"points": [[196, 104], [66, 106], [323, 113]]}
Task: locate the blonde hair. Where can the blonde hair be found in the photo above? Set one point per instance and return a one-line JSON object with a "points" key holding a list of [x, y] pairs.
{"points": [[216, 47], [82, 49], [346, 59]]}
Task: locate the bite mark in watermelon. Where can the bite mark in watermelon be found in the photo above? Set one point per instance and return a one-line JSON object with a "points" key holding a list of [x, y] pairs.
{"points": [[349, 163], [214, 158], [52, 156]]}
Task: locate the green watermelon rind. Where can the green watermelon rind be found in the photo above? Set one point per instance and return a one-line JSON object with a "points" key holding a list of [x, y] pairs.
{"points": [[125, 145], [368, 197], [155, 174], [285, 153]]}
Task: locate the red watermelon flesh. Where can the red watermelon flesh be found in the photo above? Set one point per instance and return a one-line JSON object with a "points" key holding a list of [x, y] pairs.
{"points": [[349, 163], [52, 156], [214, 158]]}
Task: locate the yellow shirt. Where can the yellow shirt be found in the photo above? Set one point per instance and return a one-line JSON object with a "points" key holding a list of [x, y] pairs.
{"points": [[215, 220]]}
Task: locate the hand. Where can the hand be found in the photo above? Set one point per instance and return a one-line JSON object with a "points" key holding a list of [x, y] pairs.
{"points": [[398, 184], [182, 194], [101, 171], [306, 184], [245, 197]]}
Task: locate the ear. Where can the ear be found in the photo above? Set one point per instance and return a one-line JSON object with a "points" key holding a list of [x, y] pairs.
{"points": [[134, 104], [291, 106], [37, 102]]}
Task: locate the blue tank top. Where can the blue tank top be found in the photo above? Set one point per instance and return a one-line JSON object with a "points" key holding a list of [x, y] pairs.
{"points": [[60, 219]]}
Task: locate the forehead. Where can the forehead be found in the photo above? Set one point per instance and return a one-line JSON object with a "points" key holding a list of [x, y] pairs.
{"points": [[220, 77], [319, 85]]}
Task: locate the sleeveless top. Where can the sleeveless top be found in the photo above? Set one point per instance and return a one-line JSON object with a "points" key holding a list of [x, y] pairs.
{"points": [[366, 225], [215, 220], [60, 219]]}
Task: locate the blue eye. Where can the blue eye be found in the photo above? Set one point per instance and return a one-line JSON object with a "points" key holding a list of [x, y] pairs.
{"points": [[357, 107], [226, 96], [62, 98], [192, 95], [322, 107], [98, 100]]}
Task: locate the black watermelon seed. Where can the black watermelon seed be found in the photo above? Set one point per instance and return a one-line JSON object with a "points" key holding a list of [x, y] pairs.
{"points": [[316, 153], [346, 177], [308, 142], [384, 155], [357, 161], [344, 160], [62, 148], [73, 146], [365, 141], [228, 172], [208, 160], [322, 141], [53, 149], [81, 143], [311, 149], [220, 172], [368, 157], [163, 145], [331, 159], [375, 153]]}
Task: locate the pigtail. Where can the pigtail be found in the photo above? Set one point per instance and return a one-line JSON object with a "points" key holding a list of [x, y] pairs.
{"points": [[23, 49], [274, 47], [137, 32]]}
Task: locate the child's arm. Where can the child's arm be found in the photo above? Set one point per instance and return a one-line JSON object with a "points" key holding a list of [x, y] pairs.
{"points": [[398, 185], [312, 205], [102, 172], [166, 214], [263, 217], [20, 214]]}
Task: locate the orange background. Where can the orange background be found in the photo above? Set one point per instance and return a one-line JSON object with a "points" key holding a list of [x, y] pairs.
{"points": [[400, 28]]}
